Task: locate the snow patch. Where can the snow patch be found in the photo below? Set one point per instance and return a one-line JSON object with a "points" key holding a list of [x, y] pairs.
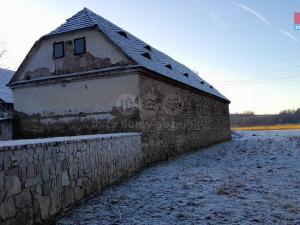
{"points": [[254, 179]]}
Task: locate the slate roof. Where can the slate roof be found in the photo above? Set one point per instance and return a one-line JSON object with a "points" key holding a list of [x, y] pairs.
{"points": [[5, 92], [140, 52]]}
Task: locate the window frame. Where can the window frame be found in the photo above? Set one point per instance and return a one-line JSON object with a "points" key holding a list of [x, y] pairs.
{"points": [[63, 49], [84, 46]]}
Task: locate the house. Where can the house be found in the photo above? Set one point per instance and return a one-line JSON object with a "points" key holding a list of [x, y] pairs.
{"points": [[6, 105], [90, 76]]}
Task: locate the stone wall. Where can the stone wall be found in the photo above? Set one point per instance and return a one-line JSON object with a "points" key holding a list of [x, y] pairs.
{"points": [[42, 177], [177, 119]]}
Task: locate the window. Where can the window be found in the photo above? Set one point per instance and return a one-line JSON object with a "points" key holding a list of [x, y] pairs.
{"points": [[186, 74], [58, 50], [79, 46]]}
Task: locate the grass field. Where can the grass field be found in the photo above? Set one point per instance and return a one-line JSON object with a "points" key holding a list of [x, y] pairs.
{"points": [[271, 127]]}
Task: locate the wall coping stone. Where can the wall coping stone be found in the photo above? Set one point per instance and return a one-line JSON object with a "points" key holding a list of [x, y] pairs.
{"points": [[20, 144]]}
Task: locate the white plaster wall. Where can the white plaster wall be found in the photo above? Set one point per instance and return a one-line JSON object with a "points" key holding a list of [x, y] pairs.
{"points": [[88, 96], [96, 44]]}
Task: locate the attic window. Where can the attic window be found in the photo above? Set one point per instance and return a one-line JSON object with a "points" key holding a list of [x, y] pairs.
{"points": [[211, 87], [79, 46], [123, 33], [169, 66], [148, 47], [202, 82], [146, 55], [58, 50], [186, 74]]}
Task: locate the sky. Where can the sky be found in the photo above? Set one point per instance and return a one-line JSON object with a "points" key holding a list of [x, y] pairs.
{"points": [[247, 49]]}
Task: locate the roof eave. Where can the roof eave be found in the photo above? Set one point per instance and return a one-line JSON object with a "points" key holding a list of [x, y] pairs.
{"points": [[47, 36], [154, 74], [77, 75]]}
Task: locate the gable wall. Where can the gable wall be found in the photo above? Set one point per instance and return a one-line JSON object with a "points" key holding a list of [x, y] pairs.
{"points": [[100, 54]]}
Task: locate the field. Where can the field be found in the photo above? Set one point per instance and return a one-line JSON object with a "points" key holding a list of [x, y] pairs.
{"points": [[271, 127], [253, 179]]}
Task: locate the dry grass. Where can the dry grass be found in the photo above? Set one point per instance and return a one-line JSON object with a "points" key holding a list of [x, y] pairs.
{"points": [[271, 127]]}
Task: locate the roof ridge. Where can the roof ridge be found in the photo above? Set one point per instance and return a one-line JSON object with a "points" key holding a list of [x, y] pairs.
{"points": [[88, 13], [88, 21]]}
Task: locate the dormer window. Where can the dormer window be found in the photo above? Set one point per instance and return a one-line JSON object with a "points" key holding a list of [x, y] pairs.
{"points": [[146, 55], [169, 66], [123, 33], [79, 46], [58, 50], [148, 47]]}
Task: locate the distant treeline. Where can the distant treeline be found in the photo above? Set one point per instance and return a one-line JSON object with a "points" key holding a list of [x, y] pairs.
{"points": [[250, 119]]}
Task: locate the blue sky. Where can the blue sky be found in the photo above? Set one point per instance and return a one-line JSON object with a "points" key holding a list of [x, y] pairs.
{"points": [[247, 49]]}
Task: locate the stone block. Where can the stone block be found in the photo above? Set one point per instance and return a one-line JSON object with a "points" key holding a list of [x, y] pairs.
{"points": [[68, 197], [56, 200], [23, 199], [30, 170], [47, 188], [13, 185], [44, 206], [36, 211], [37, 192], [7, 209], [12, 171], [79, 193], [33, 181], [65, 179], [45, 175]]}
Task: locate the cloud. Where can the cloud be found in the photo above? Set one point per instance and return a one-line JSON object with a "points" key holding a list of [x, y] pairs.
{"points": [[288, 34], [216, 18], [262, 18], [252, 11]]}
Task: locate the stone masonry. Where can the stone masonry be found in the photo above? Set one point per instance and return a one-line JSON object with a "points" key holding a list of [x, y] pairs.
{"points": [[176, 119], [171, 117], [42, 177]]}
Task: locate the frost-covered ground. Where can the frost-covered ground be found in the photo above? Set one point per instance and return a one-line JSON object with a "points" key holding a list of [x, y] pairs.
{"points": [[254, 179]]}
